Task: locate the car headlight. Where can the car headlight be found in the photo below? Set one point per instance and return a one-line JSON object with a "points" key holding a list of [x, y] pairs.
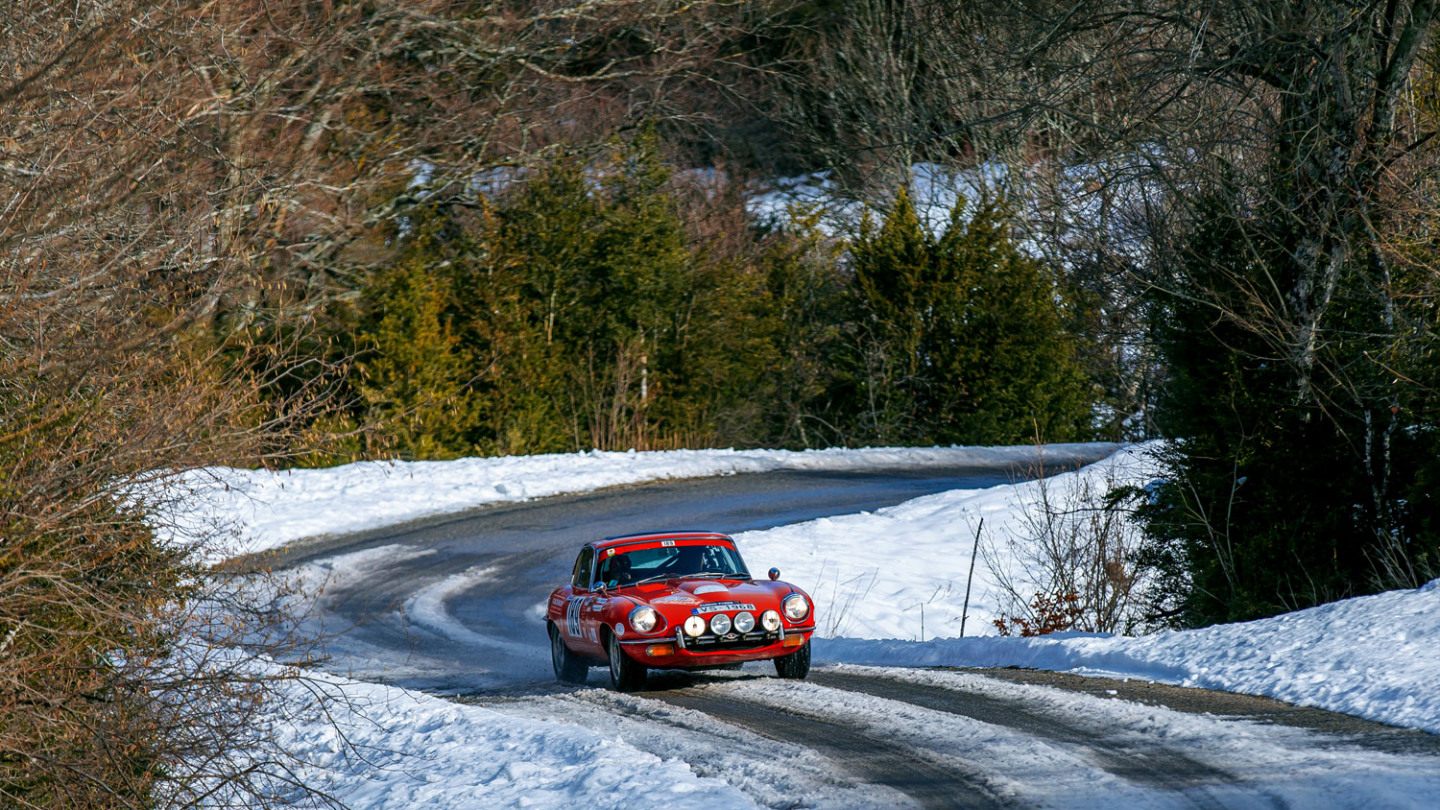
{"points": [[719, 624], [695, 626], [644, 618], [796, 607], [770, 620], [744, 621]]}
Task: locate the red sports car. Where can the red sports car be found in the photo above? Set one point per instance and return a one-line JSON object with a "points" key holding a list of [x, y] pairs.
{"points": [[673, 600]]}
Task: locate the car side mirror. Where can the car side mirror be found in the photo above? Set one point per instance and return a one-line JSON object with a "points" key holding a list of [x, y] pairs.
{"points": [[774, 573]]}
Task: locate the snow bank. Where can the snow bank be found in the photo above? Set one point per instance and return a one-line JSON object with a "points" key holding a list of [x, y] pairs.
{"points": [[871, 573], [383, 747], [1372, 656], [263, 509], [881, 574]]}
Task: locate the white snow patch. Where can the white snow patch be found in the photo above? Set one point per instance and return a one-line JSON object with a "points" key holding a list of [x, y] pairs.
{"points": [[426, 608], [382, 747], [264, 509], [880, 574]]}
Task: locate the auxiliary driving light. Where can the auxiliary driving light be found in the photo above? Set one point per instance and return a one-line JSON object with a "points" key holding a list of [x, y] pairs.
{"points": [[744, 621], [695, 626], [719, 624], [770, 620]]}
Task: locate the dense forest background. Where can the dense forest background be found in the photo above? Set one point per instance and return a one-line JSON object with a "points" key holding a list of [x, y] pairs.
{"points": [[299, 232]]}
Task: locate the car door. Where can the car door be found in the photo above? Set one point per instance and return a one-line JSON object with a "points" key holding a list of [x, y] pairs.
{"points": [[577, 635], [595, 609]]}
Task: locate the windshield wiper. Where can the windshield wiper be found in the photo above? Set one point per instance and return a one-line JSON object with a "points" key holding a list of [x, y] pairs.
{"points": [[720, 574]]}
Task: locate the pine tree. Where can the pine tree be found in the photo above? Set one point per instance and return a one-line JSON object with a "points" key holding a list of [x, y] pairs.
{"points": [[961, 337], [1000, 366], [892, 267], [413, 373]]}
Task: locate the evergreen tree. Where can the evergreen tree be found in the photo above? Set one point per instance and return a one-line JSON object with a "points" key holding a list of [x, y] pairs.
{"points": [[413, 374], [962, 339], [808, 292], [1274, 502], [600, 322], [893, 274], [1000, 366]]}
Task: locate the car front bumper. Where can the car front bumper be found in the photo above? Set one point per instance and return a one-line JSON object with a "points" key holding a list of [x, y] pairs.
{"points": [[679, 651]]}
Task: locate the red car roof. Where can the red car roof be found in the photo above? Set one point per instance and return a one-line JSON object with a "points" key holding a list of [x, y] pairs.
{"points": [[650, 537]]}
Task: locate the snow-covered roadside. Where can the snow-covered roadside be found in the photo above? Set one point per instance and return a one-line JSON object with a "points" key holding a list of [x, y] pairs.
{"points": [[389, 747], [1372, 656], [872, 573], [383, 747], [264, 509]]}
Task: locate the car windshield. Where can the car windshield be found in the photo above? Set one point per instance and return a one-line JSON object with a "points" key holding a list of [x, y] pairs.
{"points": [[666, 562]]}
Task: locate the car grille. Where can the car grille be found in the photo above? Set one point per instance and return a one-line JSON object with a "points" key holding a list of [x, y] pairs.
{"points": [[729, 641]]}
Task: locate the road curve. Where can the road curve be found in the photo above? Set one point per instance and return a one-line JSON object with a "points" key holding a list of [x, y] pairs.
{"points": [[452, 606]]}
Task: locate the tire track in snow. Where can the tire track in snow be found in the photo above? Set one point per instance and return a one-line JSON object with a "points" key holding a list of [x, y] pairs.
{"points": [[1157, 767], [877, 760]]}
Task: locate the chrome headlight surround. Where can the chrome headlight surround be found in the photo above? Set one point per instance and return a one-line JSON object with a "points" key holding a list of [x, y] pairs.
{"points": [[770, 620], [695, 626], [744, 621], [796, 607], [719, 624], [644, 619]]}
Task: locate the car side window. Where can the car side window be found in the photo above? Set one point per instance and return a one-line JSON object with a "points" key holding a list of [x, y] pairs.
{"points": [[580, 577]]}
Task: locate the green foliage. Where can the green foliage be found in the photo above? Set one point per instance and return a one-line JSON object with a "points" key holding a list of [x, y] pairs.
{"points": [[587, 306], [809, 298], [575, 310], [962, 339], [412, 373], [1273, 500]]}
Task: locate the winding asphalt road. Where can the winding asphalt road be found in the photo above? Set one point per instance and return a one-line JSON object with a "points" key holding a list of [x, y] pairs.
{"points": [[454, 606]]}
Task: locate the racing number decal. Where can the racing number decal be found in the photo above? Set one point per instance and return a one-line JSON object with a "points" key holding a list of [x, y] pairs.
{"points": [[572, 616]]}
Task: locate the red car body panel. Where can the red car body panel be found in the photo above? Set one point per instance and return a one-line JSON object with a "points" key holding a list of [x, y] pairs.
{"points": [[587, 615]]}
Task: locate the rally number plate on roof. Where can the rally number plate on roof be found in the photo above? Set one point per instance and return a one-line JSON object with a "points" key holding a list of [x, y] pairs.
{"points": [[716, 607]]}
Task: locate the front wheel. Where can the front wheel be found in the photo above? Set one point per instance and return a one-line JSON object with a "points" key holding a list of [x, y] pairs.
{"points": [[796, 665], [569, 668], [626, 674]]}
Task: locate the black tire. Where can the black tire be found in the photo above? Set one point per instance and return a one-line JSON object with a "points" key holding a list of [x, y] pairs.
{"points": [[796, 665], [569, 668], [626, 674]]}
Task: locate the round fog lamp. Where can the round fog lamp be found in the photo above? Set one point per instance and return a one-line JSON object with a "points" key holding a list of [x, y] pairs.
{"points": [[719, 624], [796, 607], [744, 621], [770, 620], [694, 626], [644, 619]]}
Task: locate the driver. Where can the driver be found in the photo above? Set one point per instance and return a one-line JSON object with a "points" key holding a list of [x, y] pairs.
{"points": [[617, 570], [690, 559]]}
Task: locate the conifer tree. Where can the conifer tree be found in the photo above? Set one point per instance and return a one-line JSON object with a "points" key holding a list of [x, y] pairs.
{"points": [[1000, 366], [961, 337], [807, 291], [413, 374], [892, 266]]}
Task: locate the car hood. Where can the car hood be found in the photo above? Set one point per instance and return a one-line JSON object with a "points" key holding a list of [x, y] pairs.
{"points": [[693, 593]]}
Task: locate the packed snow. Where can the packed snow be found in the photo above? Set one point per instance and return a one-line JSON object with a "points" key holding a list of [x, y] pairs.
{"points": [[381, 747]]}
